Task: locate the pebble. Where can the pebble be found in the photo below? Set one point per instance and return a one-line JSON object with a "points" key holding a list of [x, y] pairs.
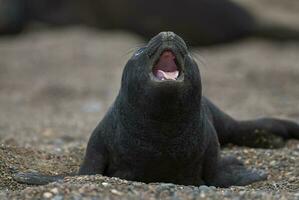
{"points": [[58, 197], [166, 185], [47, 195], [202, 195], [54, 191], [105, 184], [273, 163], [212, 187], [204, 188], [114, 191]]}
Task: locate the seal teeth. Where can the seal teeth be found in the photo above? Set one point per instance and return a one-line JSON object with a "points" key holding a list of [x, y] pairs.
{"points": [[167, 75]]}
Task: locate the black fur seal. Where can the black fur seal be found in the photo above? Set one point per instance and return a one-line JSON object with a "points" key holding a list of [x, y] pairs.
{"points": [[161, 129], [200, 22]]}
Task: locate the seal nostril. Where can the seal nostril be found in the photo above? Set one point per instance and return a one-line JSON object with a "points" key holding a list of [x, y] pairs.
{"points": [[168, 40], [167, 36], [170, 35]]}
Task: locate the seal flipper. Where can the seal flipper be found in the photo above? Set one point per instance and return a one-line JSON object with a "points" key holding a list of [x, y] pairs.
{"points": [[261, 133], [35, 178], [231, 171], [96, 155], [264, 131], [226, 171]]}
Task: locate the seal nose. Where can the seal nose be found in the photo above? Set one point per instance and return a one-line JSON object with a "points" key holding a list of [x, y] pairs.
{"points": [[167, 35], [167, 40]]}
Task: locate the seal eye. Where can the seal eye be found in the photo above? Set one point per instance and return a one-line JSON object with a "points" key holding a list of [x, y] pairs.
{"points": [[166, 67]]}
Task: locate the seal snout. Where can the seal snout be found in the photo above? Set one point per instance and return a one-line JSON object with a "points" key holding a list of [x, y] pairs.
{"points": [[167, 40], [167, 51]]}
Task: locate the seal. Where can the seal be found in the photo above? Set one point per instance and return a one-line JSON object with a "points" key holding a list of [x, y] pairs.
{"points": [[161, 129], [12, 16], [201, 22]]}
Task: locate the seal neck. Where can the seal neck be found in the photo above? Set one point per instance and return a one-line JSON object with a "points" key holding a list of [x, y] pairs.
{"points": [[161, 114]]}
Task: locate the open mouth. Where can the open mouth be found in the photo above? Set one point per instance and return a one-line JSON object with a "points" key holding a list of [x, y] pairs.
{"points": [[166, 67]]}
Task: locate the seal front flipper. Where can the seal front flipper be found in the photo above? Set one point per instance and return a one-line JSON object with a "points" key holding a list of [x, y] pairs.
{"points": [[225, 171], [96, 156], [35, 178], [94, 163], [231, 171]]}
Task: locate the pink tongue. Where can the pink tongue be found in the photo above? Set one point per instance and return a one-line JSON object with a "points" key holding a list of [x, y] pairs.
{"points": [[166, 67], [166, 75]]}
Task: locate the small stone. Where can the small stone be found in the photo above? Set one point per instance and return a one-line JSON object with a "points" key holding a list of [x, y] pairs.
{"points": [[273, 163], [242, 193], [58, 197], [204, 188], [202, 195], [212, 187], [54, 191], [47, 195], [105, 184], [166, 185], [125, 181], [113, 191]]}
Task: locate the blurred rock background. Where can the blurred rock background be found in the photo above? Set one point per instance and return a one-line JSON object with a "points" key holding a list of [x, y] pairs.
{"points": [[201, 22]]}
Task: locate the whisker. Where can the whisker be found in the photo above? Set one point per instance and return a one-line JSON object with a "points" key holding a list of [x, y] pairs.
{"points": [[195, 53], [133, 49]]}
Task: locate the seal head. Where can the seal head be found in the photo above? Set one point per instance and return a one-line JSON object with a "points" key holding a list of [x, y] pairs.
{"points": [[161, 82]]}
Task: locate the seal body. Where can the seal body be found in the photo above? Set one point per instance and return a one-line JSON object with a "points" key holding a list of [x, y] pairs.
{"points": [[161, 129]]}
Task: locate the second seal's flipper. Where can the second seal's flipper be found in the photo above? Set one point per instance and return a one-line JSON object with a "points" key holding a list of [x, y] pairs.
{"points": [[35, 178]]}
